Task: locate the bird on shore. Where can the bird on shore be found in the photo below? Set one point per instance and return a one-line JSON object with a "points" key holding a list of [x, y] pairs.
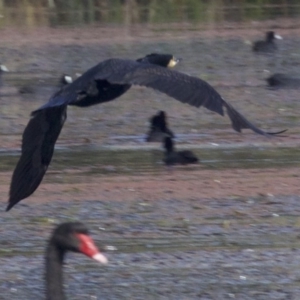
{"points": [[172, 157], [158, 128], [268, 45], [74, 237], [104, 82]]}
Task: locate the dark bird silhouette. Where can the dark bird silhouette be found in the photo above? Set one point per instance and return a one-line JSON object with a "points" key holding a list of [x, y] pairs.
{"points": [[158, 128], [105, 82], [66, 237], [268, 45], [173, 157], [280, 80]]}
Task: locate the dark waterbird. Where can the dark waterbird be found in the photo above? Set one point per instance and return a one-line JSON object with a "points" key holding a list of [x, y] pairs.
{"points": [[172, 157], [73, 237], [105, 82], [279, 80], [158, 128], [268, 45]]}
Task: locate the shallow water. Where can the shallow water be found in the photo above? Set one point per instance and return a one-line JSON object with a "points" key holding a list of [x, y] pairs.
{"points": [[132, 160]]}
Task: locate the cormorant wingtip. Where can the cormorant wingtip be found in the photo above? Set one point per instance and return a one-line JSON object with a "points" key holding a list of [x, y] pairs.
{"points": [[276, 133], [9, 206]]}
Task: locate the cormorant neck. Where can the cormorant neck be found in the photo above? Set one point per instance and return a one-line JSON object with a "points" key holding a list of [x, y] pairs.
{"points": [[169, 149], [54, 275]]}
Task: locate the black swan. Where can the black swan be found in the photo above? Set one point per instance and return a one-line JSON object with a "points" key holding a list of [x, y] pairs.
{"points": [[73, 237]]}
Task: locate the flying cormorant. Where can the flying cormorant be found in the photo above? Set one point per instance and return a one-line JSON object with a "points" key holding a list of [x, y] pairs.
{"points": [[105, 82]]}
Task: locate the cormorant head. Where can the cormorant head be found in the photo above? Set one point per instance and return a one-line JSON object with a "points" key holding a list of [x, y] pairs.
{"points": [[164, 60], [162, 114]]}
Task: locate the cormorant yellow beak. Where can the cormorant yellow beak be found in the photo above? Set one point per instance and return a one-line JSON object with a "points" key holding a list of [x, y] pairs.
{"points": [[173, 62]]}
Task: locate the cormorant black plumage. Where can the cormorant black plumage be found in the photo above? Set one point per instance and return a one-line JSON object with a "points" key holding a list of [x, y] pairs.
{"points": [[105, 82], [173, 157]]}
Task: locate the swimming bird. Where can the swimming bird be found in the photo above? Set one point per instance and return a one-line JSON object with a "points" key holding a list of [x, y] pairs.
{"points": [[105, 82], [158, 128], [279, 80], [172, 157], [72, 236], [268, 44]]}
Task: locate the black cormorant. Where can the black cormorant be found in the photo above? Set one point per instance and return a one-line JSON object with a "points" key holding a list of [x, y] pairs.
{"points": [[268, 44], [173, 157], [104, 82], [159, 128], [74, 237]]}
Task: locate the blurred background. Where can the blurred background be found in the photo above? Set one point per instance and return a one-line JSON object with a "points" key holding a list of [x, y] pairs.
{"points": [[55, 13]]}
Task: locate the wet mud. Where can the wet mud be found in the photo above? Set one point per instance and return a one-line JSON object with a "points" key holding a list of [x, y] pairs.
{"points": [[227, 228]]}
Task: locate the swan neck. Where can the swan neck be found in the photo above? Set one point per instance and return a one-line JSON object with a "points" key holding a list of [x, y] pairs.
{"points": [[54, 274]]}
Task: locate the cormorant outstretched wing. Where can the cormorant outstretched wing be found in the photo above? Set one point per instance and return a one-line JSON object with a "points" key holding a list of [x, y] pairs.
{"points": [[185, 88], [38, 144]]}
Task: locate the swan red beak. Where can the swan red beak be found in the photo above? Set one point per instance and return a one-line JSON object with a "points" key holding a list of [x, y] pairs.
{"points": [[89, 248]]}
